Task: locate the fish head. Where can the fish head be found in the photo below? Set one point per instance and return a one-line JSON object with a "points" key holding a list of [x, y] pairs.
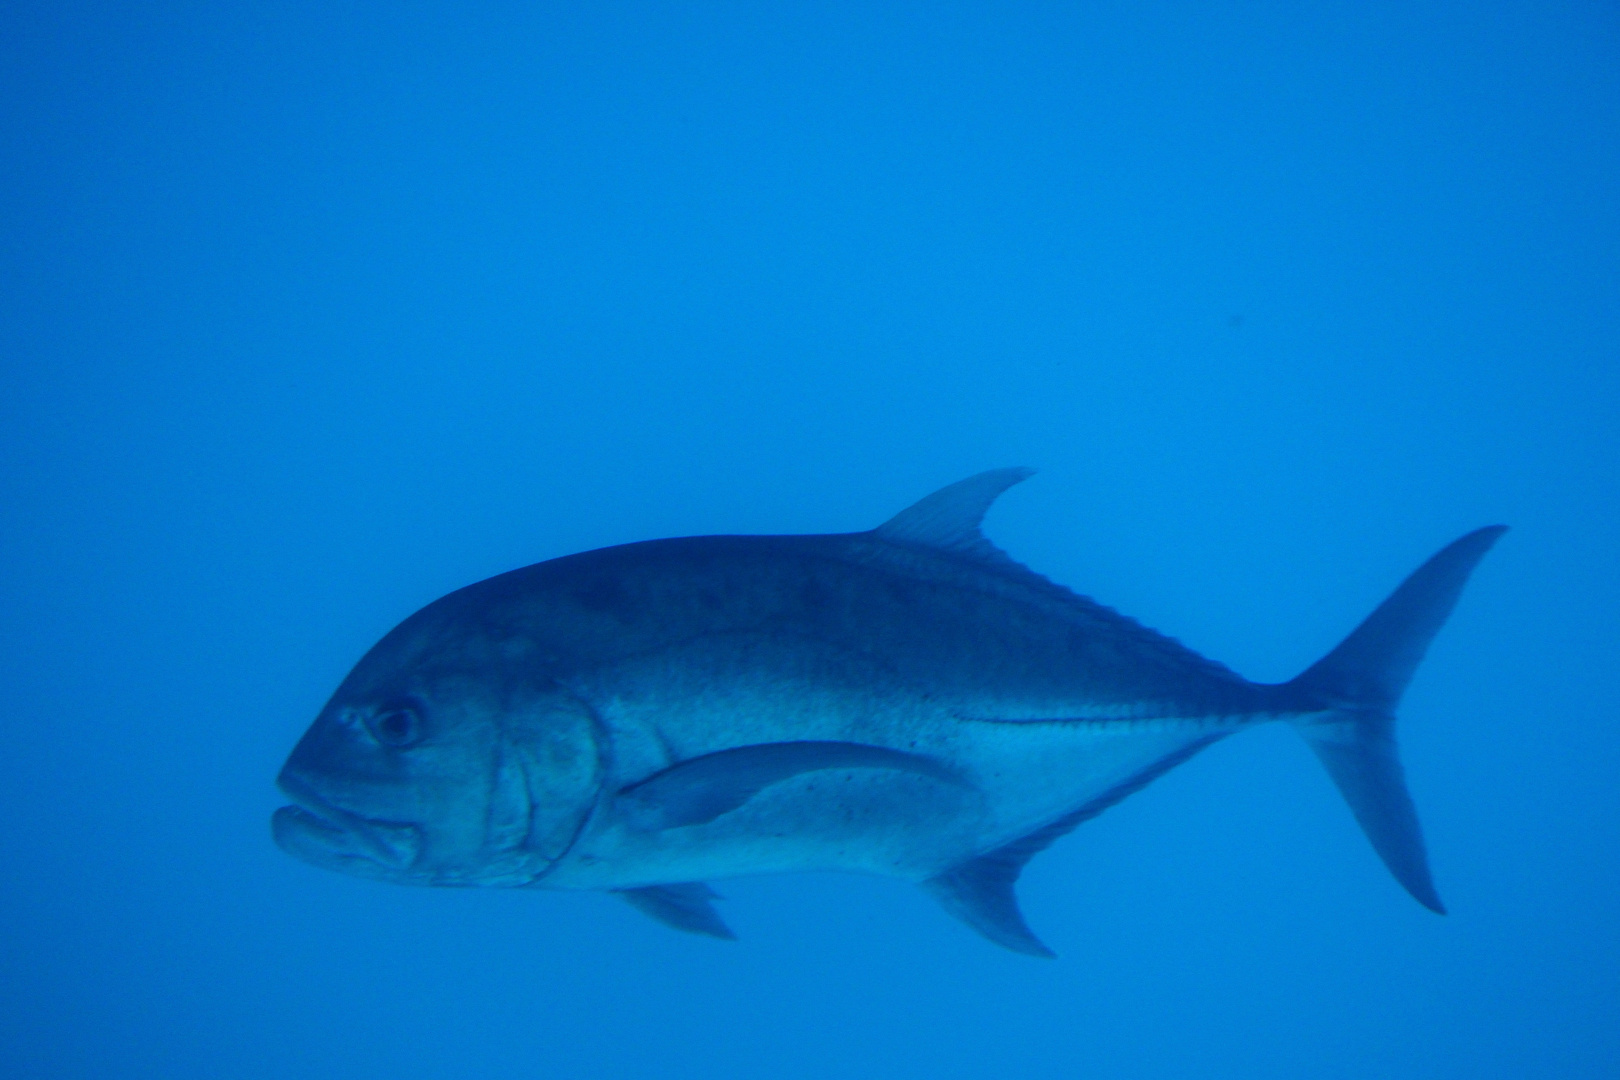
{"points": [[443, 759]]}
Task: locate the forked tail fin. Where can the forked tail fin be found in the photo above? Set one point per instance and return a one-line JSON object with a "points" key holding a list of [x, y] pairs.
{"points": [[1357, 687]]}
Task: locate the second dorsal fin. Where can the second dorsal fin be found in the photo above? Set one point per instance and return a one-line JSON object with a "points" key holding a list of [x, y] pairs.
{"points": [[948, 520]]}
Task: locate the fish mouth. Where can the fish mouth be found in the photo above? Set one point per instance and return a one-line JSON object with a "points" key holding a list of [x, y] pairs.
{"points": [[315, 831]]}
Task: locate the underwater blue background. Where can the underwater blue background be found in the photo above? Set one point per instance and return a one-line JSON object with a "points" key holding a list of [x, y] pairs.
{"points": [[310, 313]]}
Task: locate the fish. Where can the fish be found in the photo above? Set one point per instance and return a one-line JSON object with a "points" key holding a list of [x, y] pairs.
{"points": [[907, 701]]}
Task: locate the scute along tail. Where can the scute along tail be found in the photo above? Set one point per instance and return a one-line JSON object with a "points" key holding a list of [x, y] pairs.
{"points": [[1354, 691]]}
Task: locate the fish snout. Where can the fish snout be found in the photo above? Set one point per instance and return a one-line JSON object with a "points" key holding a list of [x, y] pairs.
{"points": [[315, 830]]}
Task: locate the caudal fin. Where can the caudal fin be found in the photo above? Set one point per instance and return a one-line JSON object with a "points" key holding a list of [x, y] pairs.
{"points": [[1353, 691]]}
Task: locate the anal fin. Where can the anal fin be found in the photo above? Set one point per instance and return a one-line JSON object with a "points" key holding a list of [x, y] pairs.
{"points": [[687, 906], [980, 891]]}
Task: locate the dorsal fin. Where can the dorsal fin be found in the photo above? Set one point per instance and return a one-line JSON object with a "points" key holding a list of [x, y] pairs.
{"points": [[949, 518], [948, 522]]}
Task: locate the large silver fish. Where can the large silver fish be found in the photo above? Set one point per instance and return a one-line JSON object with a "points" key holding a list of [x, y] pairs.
{"points": [[907, 701]]}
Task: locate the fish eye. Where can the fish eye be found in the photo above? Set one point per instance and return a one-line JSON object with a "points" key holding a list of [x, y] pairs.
{"points": [[397, 726]]}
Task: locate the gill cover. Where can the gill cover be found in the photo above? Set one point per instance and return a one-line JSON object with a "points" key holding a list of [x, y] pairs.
{"points": [[547, 779]]}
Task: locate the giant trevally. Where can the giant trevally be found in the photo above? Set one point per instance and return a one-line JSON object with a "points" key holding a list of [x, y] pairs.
{"points": [[907, 701]]}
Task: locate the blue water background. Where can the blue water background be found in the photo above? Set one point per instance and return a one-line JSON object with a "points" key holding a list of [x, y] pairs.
{"points": [[310, 313]]}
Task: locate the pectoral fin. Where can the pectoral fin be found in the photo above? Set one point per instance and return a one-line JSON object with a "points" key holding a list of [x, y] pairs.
{"points": [[688, 906], [699, 790]]}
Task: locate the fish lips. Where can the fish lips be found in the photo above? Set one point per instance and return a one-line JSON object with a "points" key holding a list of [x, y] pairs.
{"points": [[317, 832]]}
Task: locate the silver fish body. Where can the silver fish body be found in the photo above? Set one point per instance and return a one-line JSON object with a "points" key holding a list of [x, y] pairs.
{"points": [[907, 701]]}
